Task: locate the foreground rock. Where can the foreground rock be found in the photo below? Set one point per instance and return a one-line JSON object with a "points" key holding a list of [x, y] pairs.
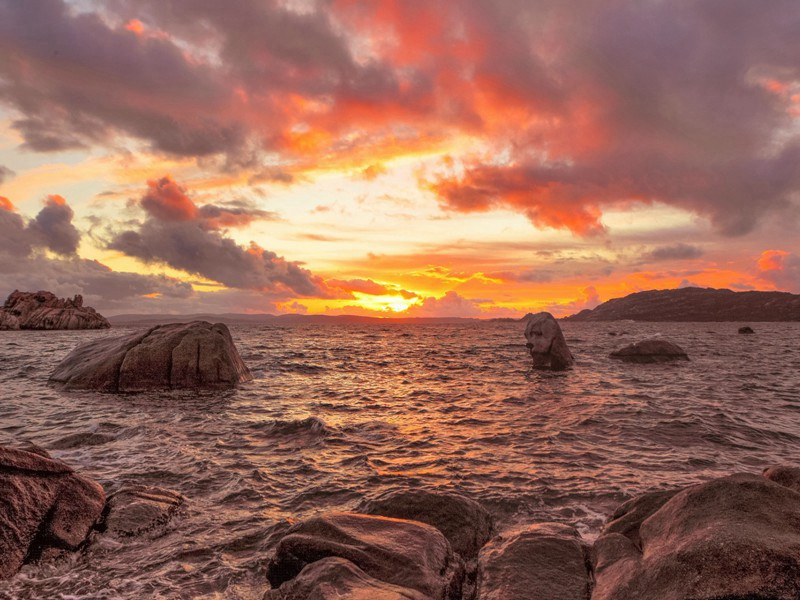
{"points": [[406, 554], [746, 329], [140, 510], [337, 579], [43, 504], [464, 522], [177, 356], [546, 343], [544, 561], [43, 310], [650, 351], [732, 538]]}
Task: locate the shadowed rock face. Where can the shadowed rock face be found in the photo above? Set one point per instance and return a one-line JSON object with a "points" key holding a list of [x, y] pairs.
{"points": [[43, 310], [464, 522], [335, 579], [43, 504], [544, 560], [736, 538], [402, 553], [650, 351], [177, 356], [546, 343]]}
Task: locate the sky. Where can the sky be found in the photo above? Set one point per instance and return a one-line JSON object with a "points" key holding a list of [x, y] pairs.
{"points": [[397, 157]]}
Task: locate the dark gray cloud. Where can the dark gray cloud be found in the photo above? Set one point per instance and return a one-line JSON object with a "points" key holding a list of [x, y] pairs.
{"points": [[675, 252], [53, 226]]}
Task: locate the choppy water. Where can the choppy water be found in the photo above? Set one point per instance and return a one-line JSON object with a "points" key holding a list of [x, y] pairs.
{"points": [[337, 413]]}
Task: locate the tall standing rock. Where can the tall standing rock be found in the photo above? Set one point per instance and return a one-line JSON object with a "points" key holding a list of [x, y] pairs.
{"points": [[192, 355], [43, 310], [43, 503], [546, 343]]}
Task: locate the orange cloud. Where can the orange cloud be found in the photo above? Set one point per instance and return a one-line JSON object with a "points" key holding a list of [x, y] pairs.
{"points": [[5, 204]]}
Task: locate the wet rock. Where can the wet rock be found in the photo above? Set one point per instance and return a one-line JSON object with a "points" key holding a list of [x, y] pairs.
{"points": [[43, 310], [629, 516], [650, 351], [544, 561], [43, 504], [737, 537], [464, 522], [546, 343], [403, 553], [746, 329], [176, 356], [786, 476], [138, 510], [335, 579]]}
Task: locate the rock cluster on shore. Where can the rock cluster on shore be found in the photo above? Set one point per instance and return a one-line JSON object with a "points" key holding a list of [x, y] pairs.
{"points": [[192, 355], [43, 310]]}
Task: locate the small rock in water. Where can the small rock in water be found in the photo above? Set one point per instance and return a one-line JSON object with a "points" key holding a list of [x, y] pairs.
{"points": [[650, 351], [746, 329], [137, 510]]}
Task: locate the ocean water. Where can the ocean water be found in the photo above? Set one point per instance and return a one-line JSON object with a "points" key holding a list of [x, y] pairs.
{"points": [[339, 413]]}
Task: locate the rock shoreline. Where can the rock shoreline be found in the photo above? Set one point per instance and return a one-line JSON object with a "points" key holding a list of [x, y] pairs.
{"points": [[734, 538]]}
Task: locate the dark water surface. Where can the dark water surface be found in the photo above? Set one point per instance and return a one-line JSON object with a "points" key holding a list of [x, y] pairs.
{"points": [[337, 413]]}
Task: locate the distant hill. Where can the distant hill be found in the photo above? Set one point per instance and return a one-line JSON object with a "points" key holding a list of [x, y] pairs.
{"points": [[136, 320], [696, 304]]}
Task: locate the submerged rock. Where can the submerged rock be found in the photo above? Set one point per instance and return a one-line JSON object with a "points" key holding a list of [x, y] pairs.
{"points": [[179, 355], [736, 537], [546, 343], [137, 510], [43, 504], [43, 310], [407, 554], [464, 522], [544, 561], [336, 579], [746, 329], [650, 351]]}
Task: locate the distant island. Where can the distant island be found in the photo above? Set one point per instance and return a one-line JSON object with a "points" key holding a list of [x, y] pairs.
{"points": [[696, 304]]}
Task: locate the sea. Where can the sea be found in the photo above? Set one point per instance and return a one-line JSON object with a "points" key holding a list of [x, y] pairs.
{"points": [[339, 413]]}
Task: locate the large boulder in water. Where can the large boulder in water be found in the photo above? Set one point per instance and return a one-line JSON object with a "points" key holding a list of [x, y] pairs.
{"points": [[403, 553], [466, 524], [176, 356], [546, 561], [546, 343], [43, 310], [650, 351], [335, 579], [737, 537], [43, 504]]}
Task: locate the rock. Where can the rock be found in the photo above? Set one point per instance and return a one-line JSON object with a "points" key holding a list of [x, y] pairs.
{"points": [[746, 329], [404, 553], [629, 516], [335, 579], [43, 310], [786, 476], [138, 510], [180, 355], [79, 440], [464, 522], [43, 504], [737, 537], [546, 343], [544, 561], [650, 351]]}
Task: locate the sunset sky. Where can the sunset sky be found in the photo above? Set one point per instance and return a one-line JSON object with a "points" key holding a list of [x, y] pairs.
{"points": [[397, 157]]}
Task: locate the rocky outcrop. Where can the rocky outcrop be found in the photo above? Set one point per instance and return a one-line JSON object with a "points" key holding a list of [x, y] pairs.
{"points": [[464, 522], [336, 579], [406, 554], [746, 329], [546, 343], [140, 510], [192, 355], [43, 310], [43, 504], [546, 561], [650, 351], [737, 537], [696, 304]]}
